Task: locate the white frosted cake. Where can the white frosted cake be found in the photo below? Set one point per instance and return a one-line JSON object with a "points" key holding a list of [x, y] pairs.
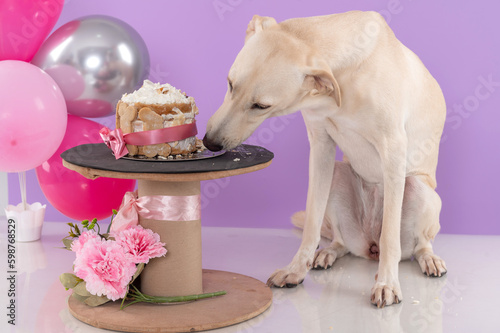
{"points": [[156, 106]]}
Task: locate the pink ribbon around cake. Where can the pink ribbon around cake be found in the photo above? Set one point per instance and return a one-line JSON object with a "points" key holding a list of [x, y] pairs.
{"points": [[156, 207], [117, 141]]}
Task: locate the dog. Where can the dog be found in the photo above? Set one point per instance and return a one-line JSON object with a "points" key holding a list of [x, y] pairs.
{"points": [[360, 88]]}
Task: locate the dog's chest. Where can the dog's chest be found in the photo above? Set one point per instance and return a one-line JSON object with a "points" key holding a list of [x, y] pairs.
{"points": [[362, 155]]}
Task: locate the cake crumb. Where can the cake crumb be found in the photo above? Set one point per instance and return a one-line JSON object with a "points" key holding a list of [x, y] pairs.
{"points": [[236, 160], [330, 328], [415, 302]]}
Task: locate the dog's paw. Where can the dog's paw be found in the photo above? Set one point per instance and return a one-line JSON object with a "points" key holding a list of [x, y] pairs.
{"points": [[432, 265], [286, 278], [324, 258], [384, 294]]}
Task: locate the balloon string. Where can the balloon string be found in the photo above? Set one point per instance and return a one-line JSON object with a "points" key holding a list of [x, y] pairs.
{"points": [[22, 183]]}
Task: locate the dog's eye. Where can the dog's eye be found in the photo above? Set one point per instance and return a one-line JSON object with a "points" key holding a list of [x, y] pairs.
{"points": [[260, 106]]}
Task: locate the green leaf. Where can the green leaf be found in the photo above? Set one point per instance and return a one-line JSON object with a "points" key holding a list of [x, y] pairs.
{"points": [[140, 267], [78, 297], [77, 230], [67, 243], [96, 300], [70, 224], [81, 289], [69, 281], [115, 211]]}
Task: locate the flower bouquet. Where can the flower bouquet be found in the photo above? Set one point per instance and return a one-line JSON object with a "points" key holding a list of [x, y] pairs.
{"points": [[107, 264]]}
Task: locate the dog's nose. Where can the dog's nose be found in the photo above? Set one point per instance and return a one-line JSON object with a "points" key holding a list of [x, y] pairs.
{"points": [[211, 145]]}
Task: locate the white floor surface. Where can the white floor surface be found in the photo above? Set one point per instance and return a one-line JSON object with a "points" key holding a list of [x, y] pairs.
{"points": [[335, 300]]}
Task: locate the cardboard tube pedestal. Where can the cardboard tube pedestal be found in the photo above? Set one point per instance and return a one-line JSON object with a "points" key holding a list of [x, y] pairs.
{"points": [[179, 272]]}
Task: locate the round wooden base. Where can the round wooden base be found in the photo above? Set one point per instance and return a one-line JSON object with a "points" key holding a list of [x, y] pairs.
{"points": [[246, 298]]}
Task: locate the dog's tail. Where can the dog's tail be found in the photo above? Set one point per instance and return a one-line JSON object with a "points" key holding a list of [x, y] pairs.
{"points": [[299, 219]]}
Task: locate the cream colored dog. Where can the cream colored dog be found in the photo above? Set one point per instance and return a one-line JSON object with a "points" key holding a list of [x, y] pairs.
{"points": [[359, 88]]}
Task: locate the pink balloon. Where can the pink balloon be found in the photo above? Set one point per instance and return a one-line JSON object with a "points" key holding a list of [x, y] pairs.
{"points": [[24, 24], [32, 116], [69, 192]]}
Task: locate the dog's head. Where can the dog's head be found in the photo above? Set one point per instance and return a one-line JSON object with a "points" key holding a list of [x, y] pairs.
{"points": [[274, 74]]}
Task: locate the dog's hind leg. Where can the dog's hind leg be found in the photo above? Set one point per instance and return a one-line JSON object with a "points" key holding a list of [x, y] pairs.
{"points": [[324, 258], [423, 205]]}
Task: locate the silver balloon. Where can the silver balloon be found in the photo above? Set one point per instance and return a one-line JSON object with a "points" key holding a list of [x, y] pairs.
{"points": [[94, 60]]}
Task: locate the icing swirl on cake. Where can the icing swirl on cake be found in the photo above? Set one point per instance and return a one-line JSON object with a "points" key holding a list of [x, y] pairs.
{"points": [[156, 93]]}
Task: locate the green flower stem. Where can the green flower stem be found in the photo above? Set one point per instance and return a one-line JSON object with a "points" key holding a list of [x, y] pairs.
{"points": [[136, 296]]}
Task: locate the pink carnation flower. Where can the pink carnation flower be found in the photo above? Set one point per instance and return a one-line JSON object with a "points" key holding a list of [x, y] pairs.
{"points": [[105, 268], [140, 244], [78, 244]]}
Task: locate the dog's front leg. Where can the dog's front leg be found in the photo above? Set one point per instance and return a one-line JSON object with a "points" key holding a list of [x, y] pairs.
{"points": [[387, 290], [321, 164]]}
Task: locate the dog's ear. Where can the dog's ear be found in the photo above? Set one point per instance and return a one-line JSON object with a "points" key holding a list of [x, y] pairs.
{"points": [[257, 24], [322, 82]]}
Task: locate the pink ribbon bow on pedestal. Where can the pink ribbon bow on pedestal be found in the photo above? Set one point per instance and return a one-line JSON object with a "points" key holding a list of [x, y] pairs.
{"points": [[117, 141], [156, 207]]}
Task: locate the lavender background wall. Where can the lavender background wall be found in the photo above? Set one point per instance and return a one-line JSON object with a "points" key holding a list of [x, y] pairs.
{"points": [[193, 44]]}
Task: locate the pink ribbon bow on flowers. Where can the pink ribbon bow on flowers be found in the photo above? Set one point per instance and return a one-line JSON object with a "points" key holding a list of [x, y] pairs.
{"points": [[117, 141], [155, 207]]}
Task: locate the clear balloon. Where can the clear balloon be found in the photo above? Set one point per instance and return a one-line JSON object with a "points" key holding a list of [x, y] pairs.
{"points": [[96, 59], [32, 116], [69, 192], [24, 24]]}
